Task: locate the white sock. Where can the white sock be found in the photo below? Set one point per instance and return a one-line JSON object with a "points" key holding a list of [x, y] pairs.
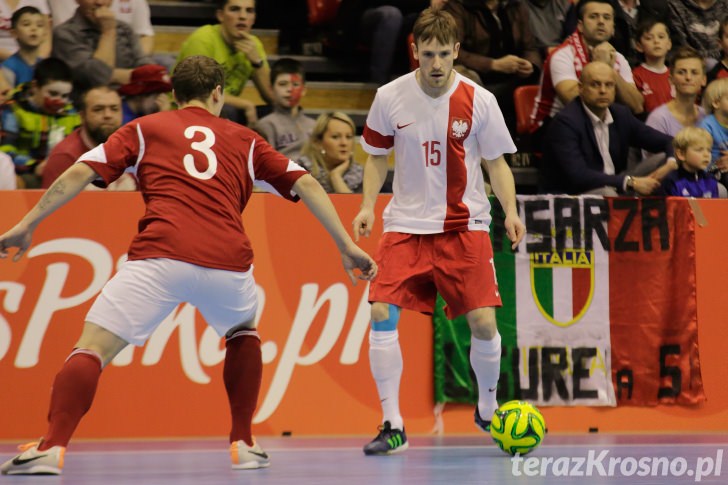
{"points": [[385, 361], [485, 359]]}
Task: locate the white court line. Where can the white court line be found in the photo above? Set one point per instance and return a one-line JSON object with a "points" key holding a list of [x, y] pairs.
{"points": [[414, 447]]}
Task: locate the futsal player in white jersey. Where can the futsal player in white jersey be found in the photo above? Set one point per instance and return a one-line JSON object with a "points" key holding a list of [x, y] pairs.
{"points": [[442, 127]]}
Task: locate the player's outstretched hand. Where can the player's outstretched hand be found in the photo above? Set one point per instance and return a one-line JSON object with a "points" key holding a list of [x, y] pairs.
{"points": [[515, 230], [353, 257], [18, 237], [363, 223]]}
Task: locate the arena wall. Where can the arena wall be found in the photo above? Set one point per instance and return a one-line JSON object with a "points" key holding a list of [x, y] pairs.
{"points": [[316, 378]]}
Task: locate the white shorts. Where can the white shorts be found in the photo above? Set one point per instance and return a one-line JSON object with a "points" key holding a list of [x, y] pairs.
{"points": [[141, 295]]}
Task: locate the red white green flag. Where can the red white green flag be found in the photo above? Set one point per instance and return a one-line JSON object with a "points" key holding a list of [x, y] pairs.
{"points": [[599, 306]]}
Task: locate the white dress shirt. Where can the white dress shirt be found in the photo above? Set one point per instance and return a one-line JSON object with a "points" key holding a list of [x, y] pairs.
{"points": [[601, 132]]}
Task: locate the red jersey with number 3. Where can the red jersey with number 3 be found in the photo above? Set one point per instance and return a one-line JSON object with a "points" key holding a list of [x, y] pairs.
{"points": [[196, 173], [438, 146]]}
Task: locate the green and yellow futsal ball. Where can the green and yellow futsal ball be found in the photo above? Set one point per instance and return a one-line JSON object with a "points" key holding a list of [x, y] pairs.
{"points": [[517, 427]]}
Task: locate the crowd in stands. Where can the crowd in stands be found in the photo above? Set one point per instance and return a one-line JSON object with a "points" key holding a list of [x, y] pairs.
{"points": [[630, 92]]}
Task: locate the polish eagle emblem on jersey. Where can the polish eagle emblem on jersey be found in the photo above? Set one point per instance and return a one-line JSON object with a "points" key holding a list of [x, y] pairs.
{"points": [[459, 128]]}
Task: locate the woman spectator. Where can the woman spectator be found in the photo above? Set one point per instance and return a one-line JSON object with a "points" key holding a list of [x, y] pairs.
{"points": [[687, 76], [328, 154]]}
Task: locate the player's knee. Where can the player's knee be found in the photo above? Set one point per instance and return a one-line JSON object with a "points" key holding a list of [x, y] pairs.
{"points": [[379, 311], [482, 323], [385, 317], [101, 342]]}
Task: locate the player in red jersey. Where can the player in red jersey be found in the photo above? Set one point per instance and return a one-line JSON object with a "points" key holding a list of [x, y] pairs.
{"points": [[196, 173]]}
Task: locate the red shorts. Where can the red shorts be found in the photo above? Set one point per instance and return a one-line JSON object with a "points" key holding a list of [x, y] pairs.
{"points": [[413, 268]]}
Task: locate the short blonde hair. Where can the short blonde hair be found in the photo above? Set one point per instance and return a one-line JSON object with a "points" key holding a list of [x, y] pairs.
{"points": [[713, 93], [690, 136]]}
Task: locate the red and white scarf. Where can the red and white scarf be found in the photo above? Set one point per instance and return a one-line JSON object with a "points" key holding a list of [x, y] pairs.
{"points": [[582, 56], [581, 52]]}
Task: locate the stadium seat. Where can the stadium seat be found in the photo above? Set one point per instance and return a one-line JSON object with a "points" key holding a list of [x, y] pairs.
{"points": [[322, 12], [524, 98], [528, 157]]}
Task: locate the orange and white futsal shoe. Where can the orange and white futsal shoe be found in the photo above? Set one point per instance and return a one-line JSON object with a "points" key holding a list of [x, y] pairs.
{"points": [[34, 462], [246, 457]]}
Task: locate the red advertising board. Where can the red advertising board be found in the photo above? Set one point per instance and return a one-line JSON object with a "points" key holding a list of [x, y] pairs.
{"points": [[313, 324]]}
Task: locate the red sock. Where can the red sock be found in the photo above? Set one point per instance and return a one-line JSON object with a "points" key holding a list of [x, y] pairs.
{"points": [[242, 374], [71, 397]]}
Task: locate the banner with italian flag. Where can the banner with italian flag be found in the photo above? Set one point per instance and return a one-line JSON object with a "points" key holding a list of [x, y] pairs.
{"points": [[599, 306]]}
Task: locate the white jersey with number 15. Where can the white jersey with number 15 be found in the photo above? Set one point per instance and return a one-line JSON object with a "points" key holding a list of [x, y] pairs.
{"points": [[438, 146]]}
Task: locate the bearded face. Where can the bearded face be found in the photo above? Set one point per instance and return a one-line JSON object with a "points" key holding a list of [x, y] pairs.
{"points": [[101, 115], [101, 133]]}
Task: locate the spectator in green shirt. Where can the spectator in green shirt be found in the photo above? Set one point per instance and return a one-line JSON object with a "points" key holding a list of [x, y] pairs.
{"points": [[241, 53]]}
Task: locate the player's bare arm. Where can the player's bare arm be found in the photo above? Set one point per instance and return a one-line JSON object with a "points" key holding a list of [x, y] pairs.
{"points": [[375, 173], [501, 178], [66, 187], [318, 202]]}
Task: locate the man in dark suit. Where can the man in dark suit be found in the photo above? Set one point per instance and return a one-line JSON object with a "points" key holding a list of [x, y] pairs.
{"points": [[588, 142]]}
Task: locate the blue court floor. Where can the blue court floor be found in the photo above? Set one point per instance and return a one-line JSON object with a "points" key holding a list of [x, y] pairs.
{"points": [[451, 460]]}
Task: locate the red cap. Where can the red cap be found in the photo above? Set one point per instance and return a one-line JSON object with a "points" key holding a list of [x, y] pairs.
{"points": [[147, 79]]}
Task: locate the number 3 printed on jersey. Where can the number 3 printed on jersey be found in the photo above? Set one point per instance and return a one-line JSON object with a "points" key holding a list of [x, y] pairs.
{"points": [[204, 147]]}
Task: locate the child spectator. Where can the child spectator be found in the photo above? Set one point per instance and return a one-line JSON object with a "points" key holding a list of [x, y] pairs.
{"points": [[715, 102], [328, 154], [8, 45], [721, 69], [28, 26], [652, 77], [692, 151], [37, 118], [287, 128]]}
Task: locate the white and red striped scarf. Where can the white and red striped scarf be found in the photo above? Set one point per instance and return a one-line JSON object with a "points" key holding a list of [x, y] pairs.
{"points": [[582, 56]]}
